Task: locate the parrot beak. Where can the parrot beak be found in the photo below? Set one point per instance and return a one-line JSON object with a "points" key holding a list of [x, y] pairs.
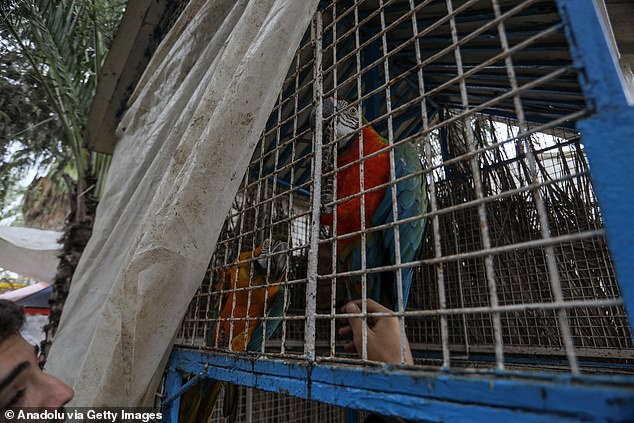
{"points": [[278, 257], [328, 111], [275, 252]]}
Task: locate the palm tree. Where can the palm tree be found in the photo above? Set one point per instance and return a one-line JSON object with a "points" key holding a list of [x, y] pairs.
{"points": [[59, 47]]}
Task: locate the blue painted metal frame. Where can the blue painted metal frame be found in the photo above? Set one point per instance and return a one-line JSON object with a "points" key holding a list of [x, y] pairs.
{"points": [[609, 143], [593, 55], [608, 137], [432, 396], [173, 383]]}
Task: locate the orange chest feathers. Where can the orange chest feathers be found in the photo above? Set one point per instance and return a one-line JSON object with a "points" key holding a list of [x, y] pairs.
{"points": [[376, 171]]}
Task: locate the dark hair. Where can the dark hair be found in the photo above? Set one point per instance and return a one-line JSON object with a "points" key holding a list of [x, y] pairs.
{"points": [[11, 319]]}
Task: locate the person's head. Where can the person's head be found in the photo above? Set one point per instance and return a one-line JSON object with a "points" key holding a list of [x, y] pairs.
{"points": [[22, 383]]}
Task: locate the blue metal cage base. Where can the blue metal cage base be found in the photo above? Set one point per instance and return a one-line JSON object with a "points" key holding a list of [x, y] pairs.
{"points": [[428, 395]]}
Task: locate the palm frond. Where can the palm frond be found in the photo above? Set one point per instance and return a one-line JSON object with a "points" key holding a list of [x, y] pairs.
{"points": [[61, 46]]}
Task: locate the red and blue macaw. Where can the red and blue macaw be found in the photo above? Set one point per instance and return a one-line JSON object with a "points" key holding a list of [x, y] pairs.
{"points": [[262, 270], [341, 124]]}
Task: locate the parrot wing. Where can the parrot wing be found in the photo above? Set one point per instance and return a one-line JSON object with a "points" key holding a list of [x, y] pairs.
{"points": [[232, 393], [277, 309], [349, 258], [411, 201], [198, 405]]}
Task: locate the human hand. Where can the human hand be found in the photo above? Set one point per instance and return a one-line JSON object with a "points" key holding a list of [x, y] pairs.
{"points": [[383, 334]]}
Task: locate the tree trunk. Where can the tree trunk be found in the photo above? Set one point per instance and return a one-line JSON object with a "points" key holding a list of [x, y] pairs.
{"points": [[77, 231]]}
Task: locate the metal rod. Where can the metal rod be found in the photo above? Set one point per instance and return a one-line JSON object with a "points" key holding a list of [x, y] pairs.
{"points": [[184, 388], [450, 48], [393, 193], [257, 230], [482, 214], [333, 250], [265, 310], [290, 201], [249, 405], [440, 278], [551, 261], [481, 253], [483, 106], [488, 310], [311, 283], [364, 282]]}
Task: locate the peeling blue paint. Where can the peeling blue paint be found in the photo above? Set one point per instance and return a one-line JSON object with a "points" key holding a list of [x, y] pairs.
{"points": [[607, 136], [608, 139], [173, 383], [600, 76], [429, 395]]}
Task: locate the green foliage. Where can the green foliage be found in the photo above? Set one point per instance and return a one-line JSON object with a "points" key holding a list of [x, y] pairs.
{"points": [[50, 56], [26, 119], [25, 115]]}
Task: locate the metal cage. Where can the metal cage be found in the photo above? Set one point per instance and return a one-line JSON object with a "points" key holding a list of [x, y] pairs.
{"points": [[264, 406], [513, 290]]}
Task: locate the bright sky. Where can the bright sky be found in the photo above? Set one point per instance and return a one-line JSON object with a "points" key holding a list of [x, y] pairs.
{"points": [[24, 182]]}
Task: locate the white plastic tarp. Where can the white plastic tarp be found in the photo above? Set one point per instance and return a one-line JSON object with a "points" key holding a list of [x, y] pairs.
{"points": [[29, 252], [193, 123], [33, 329]]}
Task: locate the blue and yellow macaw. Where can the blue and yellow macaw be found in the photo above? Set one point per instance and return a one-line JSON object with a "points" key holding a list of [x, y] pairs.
{"points": [[263, 267], [341, 123]]}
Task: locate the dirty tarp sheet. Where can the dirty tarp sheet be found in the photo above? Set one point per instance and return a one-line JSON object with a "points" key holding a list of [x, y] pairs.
{"points": [[30, 252], [192, 125]]}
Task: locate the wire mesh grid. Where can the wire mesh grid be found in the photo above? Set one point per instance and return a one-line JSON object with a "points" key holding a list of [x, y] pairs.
{"points": [[263, 406], [510, 267], [272, 204], [172, 12]]}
